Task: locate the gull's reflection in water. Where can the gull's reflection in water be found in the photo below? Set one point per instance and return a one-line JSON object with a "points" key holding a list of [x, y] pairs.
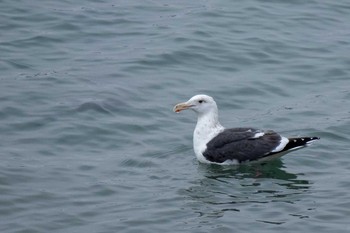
{"points": [[230, 188], [273, 169]]}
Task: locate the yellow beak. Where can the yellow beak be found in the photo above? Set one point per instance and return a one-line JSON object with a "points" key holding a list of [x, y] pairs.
{"points": [[181, 106]]}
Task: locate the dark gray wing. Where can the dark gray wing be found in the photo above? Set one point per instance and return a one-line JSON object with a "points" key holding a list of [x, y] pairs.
{"points": [[241, 144]]}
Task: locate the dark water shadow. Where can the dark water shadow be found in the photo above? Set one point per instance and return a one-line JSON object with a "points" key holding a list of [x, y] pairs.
{"points": [[268, 170], [258, 173], [235, 188]]}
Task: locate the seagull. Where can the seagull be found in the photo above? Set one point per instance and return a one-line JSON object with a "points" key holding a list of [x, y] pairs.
{"points": [[214, 144]]}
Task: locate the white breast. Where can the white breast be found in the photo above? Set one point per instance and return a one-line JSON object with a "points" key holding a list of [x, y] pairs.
{"points": [[202, 134]]}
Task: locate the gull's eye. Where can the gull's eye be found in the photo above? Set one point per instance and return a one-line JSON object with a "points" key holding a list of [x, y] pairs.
{"points": [[201, 101]]}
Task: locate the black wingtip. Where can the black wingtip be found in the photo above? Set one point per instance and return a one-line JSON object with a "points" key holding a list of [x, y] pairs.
{"points": [[299, 142], [313, 139]]}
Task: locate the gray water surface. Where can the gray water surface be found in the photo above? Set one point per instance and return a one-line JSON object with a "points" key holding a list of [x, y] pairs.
{"points": [[89, 142]]}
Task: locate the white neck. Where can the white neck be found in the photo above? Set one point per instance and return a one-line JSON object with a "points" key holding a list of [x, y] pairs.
{"points": [[208, 126]]}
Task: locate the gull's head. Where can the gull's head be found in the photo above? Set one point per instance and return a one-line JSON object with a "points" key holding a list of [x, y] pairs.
{"points": [[199, 103]]}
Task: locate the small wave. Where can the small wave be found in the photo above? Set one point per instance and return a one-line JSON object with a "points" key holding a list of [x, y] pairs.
{"points": [[92, 106]]}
